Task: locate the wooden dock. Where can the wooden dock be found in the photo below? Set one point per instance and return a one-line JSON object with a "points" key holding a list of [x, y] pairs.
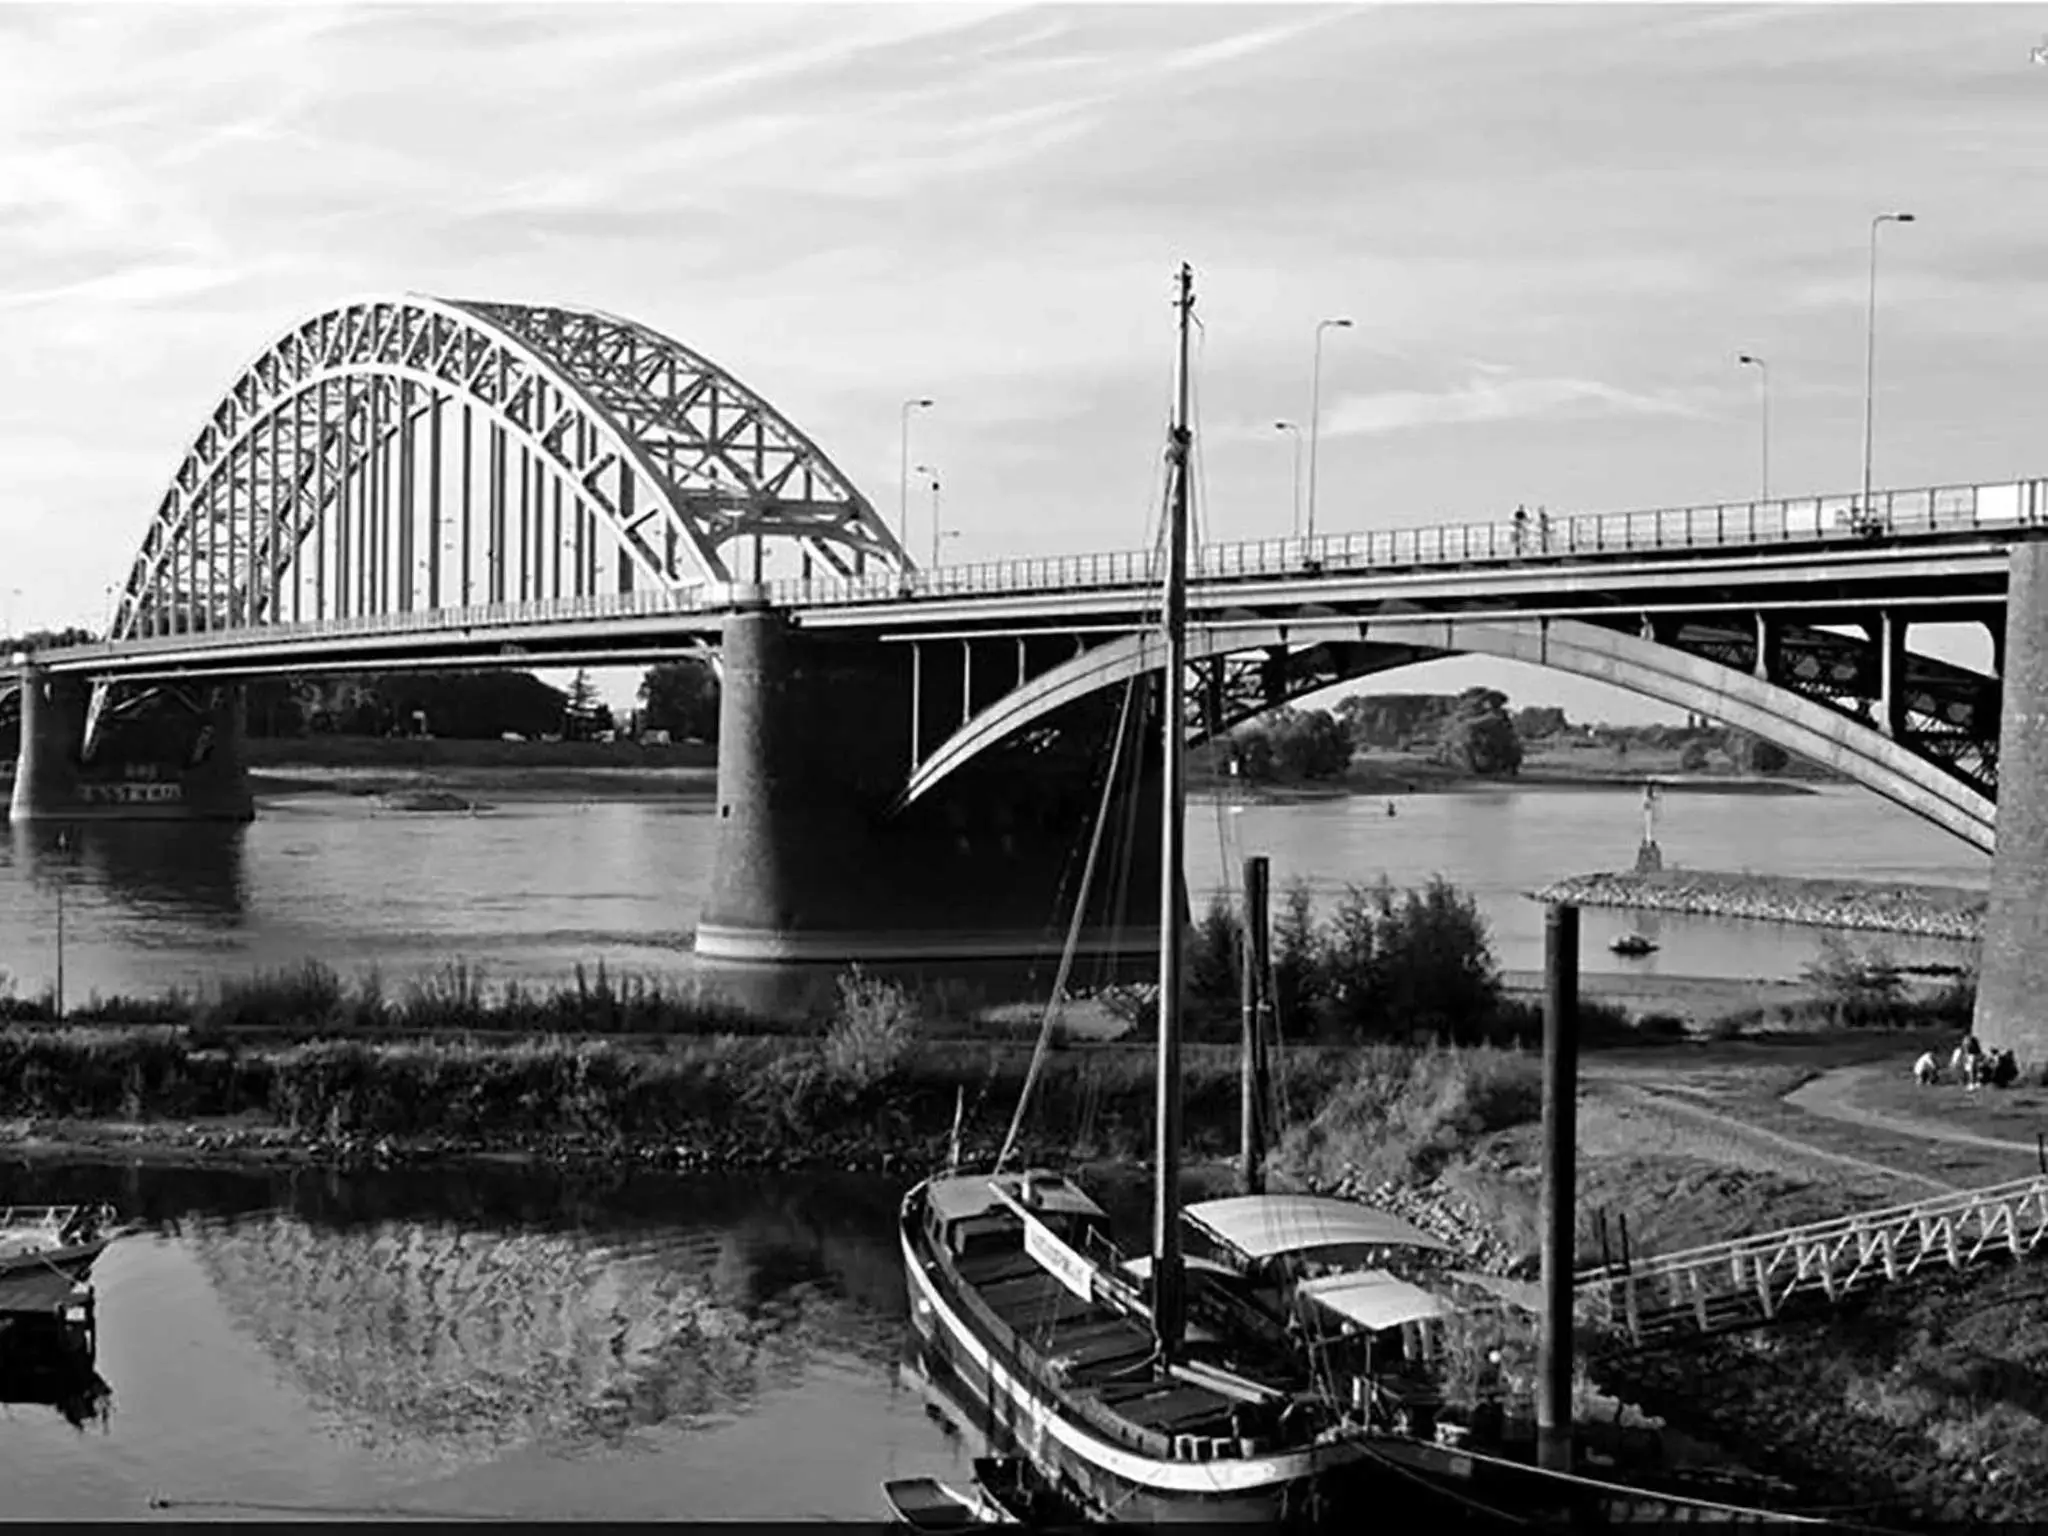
{"points": [[1751, 1281]]}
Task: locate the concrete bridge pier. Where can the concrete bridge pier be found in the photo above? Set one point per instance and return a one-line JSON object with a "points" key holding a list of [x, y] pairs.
{"points": [[169, 765], [2012, 981], [813, 863]]}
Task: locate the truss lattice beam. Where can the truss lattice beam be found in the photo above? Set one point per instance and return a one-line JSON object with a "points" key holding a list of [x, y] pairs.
{"points": [[415, 452]]}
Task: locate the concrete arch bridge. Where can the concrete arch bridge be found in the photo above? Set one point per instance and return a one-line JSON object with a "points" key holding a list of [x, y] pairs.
{"points": [[909, 756]]}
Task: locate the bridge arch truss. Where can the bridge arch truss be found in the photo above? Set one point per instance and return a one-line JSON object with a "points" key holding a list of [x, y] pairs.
{"points": [[1920, 732], [417, 453]]}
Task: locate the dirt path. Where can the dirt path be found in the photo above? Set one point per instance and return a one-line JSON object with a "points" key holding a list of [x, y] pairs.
{"points": [[1661, 1122], [1831, 1096]]}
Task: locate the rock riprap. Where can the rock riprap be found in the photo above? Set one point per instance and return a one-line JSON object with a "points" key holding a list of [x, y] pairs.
{"points": [[1928, 911]]}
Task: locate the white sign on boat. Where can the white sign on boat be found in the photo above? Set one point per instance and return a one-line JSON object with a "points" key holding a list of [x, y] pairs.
{"points": [[1063, 1263]]}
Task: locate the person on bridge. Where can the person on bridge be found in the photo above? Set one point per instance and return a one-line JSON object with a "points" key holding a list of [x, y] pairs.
{"points": [[1521, 529]]}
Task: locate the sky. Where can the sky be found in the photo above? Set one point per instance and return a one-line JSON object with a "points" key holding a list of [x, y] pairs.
{"points": [[1554, 228]]}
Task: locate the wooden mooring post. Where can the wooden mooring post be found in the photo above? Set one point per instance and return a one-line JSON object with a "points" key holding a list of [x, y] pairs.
{"points": [[1560, 1174]]}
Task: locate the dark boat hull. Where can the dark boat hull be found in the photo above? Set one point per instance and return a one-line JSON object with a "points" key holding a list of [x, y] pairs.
{"points": [[995, 1393]]}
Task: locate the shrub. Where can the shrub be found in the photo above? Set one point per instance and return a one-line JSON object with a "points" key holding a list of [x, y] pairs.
{"points": [[872, 1032], [1397, 1113], [1215, 965], [1384, 964]]}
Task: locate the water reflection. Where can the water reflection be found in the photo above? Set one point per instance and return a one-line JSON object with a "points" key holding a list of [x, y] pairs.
{"points": [[39, 1373], [184, 868], [472, 1312]]}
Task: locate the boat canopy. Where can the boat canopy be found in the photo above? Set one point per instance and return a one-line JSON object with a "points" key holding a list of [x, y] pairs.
{"points": [[1374, 1299], [1261, 1226]]}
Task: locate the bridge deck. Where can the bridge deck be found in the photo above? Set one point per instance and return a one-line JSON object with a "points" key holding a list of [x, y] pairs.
{"points": [[1485, 560]]}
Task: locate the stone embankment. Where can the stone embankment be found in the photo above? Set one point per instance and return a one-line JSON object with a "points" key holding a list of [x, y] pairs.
{"points": [[908, 1155], [1927, 911]]}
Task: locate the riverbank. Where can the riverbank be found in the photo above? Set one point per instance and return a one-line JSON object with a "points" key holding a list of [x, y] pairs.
{"points": [[1379, 772], [863, 1094], [1927, 911], [487, 770]]}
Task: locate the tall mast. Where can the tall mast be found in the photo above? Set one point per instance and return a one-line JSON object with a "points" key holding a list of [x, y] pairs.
{"points": [[1168, 1300]]}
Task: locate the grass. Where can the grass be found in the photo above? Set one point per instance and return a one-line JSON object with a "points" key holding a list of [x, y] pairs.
{"points": [[871, 1078], [2018, 1113], [313, 999]]}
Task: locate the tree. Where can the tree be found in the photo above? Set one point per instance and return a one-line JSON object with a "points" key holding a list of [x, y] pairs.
{"points": [[1252, 751], [681, 697], [1752, 754], [1539, 722], [583, 713], [1480, 738], [1310, 744]]}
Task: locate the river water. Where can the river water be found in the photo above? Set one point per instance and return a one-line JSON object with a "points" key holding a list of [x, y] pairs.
{"points": [[480, 1344], [531, 887], [514, 1343]]}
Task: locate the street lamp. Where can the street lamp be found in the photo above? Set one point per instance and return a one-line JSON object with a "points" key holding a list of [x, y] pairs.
{"points": [[903, 471], [1295, 428], [1315, 413], [1870, 349], [1763, 373], [932, 480]]}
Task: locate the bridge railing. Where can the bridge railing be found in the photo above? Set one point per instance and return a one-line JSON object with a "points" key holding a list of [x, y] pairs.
{"points": [[1535, 536], [605, 605]]}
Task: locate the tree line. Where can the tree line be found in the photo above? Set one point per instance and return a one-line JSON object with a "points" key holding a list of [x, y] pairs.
{"points": [[677, 698], [1476, 731]]}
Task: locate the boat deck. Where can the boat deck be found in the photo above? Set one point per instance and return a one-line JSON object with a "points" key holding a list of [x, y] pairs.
{"points": [[1104, 1354]]}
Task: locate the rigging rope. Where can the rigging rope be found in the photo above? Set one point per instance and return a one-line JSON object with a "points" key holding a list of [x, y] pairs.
{"points": [[1059, 986]]}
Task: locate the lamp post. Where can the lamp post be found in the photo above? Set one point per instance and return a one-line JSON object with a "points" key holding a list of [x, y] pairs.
{"points": [[931, 477], [903, 470], [1870, 349], [1315, 413], [1295, 428], [1763, 373]]}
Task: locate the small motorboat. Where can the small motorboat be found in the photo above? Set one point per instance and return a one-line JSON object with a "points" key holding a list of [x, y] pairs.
{"points": [[36, 1239], [926, 1504], [1633, 944]]}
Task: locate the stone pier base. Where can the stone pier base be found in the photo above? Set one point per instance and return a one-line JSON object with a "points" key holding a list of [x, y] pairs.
{"points": [[172, 764], [2012, 984], [814, 863]]}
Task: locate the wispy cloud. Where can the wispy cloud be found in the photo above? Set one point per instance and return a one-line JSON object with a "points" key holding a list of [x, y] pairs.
{"points": [[1487, 396], [850, 204]]}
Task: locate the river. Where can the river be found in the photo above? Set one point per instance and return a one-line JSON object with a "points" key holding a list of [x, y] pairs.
{"points": [[493, 1343], [532, 887]]}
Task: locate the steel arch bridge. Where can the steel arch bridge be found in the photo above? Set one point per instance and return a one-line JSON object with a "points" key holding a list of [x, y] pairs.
{"points": [[395, 454]]}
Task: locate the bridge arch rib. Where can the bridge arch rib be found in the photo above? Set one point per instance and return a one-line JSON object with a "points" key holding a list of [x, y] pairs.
{"points": [[1793, 721], [414, 452]]}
